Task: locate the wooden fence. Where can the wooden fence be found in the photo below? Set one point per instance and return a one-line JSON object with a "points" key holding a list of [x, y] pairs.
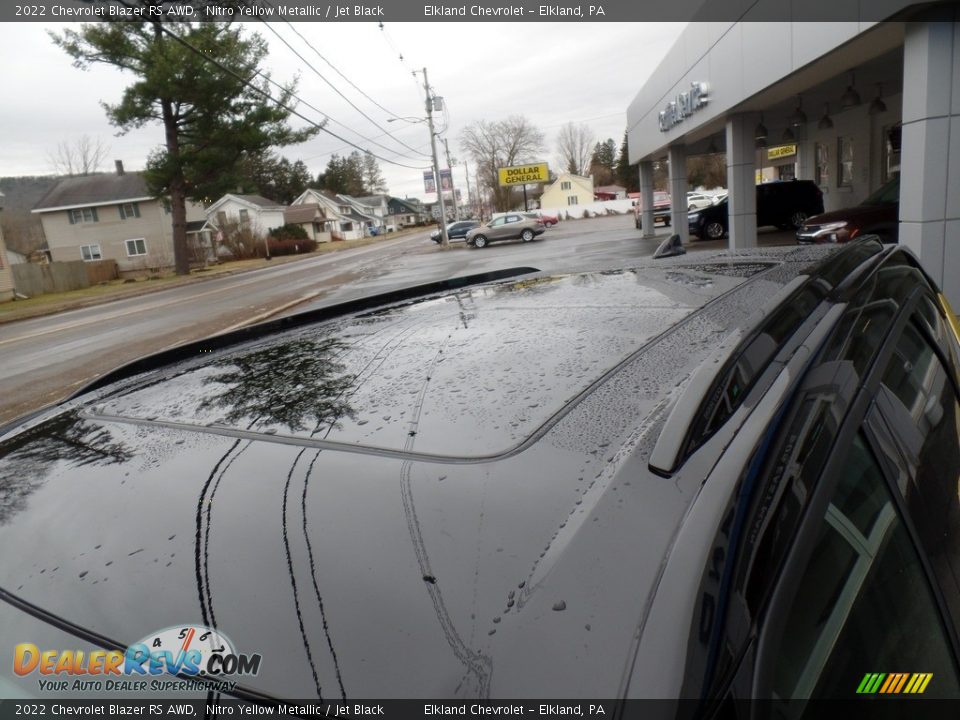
{"points": [[35, 279]]}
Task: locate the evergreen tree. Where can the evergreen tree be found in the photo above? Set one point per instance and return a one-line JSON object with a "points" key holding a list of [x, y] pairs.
{"points": [[210, 117], [627, 175]]}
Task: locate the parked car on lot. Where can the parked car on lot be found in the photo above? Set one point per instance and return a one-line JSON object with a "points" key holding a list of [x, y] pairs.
{"points": [[878, 215], [547, 220], [702, 477], [512, 226], [661, 209], [697, 201], [784, 204], [455, 230]]}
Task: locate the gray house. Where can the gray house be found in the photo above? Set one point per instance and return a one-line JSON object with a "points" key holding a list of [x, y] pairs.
{"points": [[111, 217]]}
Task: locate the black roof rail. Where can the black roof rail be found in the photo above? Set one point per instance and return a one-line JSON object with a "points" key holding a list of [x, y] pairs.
{"points": [[721, 383]]}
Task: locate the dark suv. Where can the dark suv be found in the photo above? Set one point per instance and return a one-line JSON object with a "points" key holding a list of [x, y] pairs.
{"points": [[711, 477], [784, 204]]}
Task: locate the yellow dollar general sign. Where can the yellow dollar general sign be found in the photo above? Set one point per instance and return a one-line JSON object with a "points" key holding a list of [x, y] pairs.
{"points": [[781, 151], [894, 683], [522, 174]]}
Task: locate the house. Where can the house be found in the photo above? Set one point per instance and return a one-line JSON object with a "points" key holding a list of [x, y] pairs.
{"points": [[567, 191], [311, 217], [6, 275], [343, 220], [372, 206], [610, 192], [403, 213], [110, 217], [255, 213], [365, 214]]}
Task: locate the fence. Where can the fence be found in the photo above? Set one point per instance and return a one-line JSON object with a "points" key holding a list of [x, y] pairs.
{"points": [[34, 279]]}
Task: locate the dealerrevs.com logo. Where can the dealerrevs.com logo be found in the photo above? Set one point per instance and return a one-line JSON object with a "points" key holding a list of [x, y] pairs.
{"points": [[199, 657]]}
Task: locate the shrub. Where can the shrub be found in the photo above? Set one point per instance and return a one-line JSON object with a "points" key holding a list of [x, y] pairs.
{"points": [[289, 232], [290, 246]]}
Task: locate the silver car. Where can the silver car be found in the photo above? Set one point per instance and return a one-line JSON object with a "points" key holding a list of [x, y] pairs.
{"points": [[512, 226]]}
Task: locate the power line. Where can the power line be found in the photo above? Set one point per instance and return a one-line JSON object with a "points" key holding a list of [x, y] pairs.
{"points": [[264, 93], [336, 70], [337, 90]]}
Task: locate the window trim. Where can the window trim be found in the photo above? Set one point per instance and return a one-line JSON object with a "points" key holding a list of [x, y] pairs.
{"points": [[91, 259], [82, 218], [126, 244]]}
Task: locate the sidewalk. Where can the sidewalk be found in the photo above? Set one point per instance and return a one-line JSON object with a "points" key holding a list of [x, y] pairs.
{"points": [[54, 303]]}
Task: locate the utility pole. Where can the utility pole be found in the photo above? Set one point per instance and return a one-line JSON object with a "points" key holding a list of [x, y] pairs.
{"points": [[466, 170], [453, 185], [444, 239]]}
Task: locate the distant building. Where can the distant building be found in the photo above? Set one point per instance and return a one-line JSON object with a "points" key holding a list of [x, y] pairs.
{"points": [[567, 192], [111, 217]]}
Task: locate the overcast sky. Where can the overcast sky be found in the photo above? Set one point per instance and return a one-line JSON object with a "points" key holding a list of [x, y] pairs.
{"points": [[552, 73]]}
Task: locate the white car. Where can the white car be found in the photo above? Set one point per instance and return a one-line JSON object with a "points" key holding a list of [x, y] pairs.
{"points": [[698, 201]]}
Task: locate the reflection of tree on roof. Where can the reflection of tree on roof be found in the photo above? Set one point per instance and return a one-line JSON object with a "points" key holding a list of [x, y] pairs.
{"points": [[294, 384], [31, 455]]}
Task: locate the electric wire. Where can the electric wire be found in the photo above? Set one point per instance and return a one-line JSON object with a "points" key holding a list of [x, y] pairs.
{"points": [[292, 111], [337, 90]]}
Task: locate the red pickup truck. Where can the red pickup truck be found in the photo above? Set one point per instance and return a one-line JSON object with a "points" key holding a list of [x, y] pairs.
{"points": [[661, 209]]}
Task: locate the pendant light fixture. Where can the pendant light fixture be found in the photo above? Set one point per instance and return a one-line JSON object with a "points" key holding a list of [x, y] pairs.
{"points": [[878, 105], [826, 123], [850, 97], [760, 133], [788, 136], [799, 117]]}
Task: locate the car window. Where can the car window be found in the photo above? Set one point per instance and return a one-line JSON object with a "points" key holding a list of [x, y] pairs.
{"points": [[863, 605], [919, 405], [498, 221], [887, 194], [513, 218]]}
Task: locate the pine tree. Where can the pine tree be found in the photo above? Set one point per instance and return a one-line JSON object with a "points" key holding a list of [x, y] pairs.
{"points": [[210, 117]]}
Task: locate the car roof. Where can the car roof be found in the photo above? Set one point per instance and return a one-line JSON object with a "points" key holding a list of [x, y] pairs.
{"points": [[450, 460]]}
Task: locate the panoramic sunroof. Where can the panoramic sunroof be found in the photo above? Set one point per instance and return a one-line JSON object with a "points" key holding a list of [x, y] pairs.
{"points": [[468, 375]]}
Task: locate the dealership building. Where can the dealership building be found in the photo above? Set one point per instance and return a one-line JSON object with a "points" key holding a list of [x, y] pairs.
{"points": [[846, 104]]}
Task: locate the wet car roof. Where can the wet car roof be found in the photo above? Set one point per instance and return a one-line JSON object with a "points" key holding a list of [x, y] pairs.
{"points": [[461, 478]]}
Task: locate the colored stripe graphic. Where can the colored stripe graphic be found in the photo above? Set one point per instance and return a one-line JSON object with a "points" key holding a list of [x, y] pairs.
{"points": [[894, 683]]}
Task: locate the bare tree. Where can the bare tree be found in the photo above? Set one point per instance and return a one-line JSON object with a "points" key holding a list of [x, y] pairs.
{"points": [[575, 147], [83, 156], [498, 144]]}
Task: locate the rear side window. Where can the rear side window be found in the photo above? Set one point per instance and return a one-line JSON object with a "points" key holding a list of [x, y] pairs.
{"points": [[862, 606], [918, 402]]}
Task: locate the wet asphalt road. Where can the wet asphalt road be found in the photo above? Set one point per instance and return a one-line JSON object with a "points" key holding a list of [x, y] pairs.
{"points": [[45, 359]]}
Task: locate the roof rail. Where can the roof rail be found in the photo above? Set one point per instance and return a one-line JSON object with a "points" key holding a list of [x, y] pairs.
{"points": [[721, 383]]}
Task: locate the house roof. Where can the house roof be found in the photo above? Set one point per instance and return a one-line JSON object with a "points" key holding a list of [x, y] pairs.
{"points": [[610, 188], [259, 200], [88, 190], [253, 201], [195, 225], [407, 204], [308, 212]]}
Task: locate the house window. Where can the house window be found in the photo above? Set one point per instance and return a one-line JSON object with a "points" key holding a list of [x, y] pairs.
{"points": [[572, 200], [90, 252], [137, 246], [83, 215], [129, 210], [221, 220], [822, 158], [244, 217], [844, 162], [566, 185]]}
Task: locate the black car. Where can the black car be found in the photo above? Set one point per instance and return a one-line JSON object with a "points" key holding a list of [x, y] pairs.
{"points": [[878, 215], [710, 477], [784, 204], [455, 231]]}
